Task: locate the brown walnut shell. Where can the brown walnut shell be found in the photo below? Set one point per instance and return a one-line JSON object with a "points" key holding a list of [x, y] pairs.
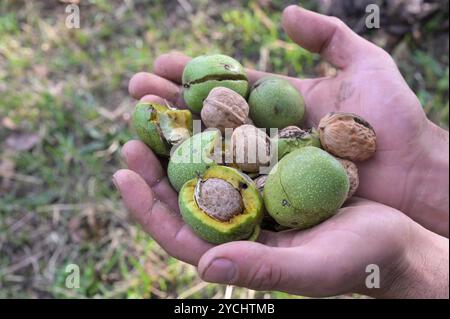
{"points": [[260, 181], [223, 108], [348, 136], [353, 177], [291, 132], [250, 148]]}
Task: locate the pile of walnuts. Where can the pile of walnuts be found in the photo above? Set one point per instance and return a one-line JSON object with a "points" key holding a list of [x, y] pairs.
{"points": [[316, 172], [347, 136]]}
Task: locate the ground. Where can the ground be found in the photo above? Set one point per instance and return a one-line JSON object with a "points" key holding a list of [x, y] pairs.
{"points": [[64, 115]]}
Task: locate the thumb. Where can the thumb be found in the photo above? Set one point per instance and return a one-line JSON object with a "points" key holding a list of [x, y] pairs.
{"points": [[325, 35], [249, 264]]}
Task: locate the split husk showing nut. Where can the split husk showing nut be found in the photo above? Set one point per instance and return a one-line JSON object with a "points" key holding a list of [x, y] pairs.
{"points": [[218, 198], [206, 72], [161, 127], [292, 138], [222, 205]]}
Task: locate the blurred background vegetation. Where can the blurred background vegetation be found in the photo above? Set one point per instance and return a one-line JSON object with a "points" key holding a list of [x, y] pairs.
{"points": [[64, 114]]}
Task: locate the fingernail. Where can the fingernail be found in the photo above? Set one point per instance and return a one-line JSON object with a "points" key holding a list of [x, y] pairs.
{"points": [[220, 270]]}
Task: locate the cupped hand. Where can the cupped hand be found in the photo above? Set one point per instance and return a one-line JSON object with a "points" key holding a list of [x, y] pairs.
{"points": [[328, 259], [367, 83], [331, 257]]}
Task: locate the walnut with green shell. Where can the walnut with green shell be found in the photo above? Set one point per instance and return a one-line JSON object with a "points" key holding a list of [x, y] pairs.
{"points": [[222, 205], [161, 126]]}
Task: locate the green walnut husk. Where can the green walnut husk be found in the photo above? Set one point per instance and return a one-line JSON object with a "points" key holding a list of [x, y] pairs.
{"points": [[206, 72], [293, 138], [242, 226], [267, 222], [193, 157], [306, 187], [275, 103], [161, 127]]}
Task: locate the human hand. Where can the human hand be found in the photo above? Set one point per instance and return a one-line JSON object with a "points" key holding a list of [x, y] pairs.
{"points": [[328, 259], [391, 177], [408, 171]]}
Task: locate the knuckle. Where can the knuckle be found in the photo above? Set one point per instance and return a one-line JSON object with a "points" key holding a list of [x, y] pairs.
{"points": [[265, 277], [338, 23], [146, 219], [378, 55]]}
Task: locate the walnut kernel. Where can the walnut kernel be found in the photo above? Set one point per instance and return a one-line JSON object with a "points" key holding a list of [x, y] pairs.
{"points": [[219, 199]]}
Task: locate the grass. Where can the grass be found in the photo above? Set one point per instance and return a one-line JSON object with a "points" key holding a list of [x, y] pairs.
{"points": [[67, 89]]}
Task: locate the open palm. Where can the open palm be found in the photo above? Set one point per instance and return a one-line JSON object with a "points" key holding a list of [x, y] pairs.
{"points": [[337, 251]]}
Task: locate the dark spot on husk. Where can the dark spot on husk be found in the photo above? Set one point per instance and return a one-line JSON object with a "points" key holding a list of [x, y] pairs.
{"points": [[256, 85], [276, 110]]}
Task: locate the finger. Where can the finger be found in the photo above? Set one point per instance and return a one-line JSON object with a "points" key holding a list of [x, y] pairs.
{"points": [[171, 65], [251, 265], [325, 35], [144, 83], [158, 220], [303, 269], [142, 160]]}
